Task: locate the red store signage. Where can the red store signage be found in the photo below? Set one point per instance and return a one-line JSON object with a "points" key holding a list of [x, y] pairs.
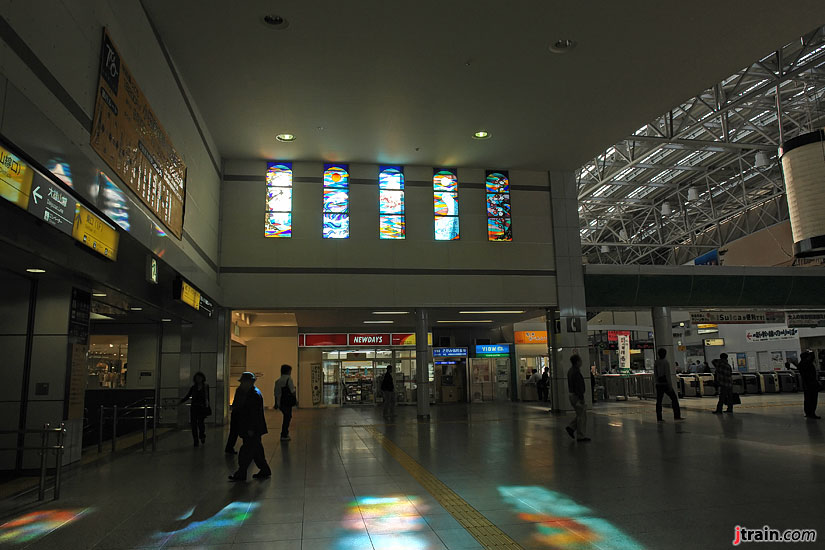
{"points": [[369, 339], [325, 340], [613, 335]]}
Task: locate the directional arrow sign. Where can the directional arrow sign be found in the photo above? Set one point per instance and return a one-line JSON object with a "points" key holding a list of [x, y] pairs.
{"points": [[52, 204], [36, 195]]}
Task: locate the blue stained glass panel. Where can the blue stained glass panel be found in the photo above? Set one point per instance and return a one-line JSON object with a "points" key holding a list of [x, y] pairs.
{"points": [[391, 202], [278, 225], [498, 205], [335, 176], [391, 227], [279, 199], [445, 180], [336, 226], [279, 174], [497, 183], [499, 229], [445, 204], [391, 178], [336, 200], [446, 228]]}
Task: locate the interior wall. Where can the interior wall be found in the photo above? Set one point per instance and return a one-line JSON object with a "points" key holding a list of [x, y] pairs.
{"points": [[266, 354], [307, 270], [772, 246], [14, 316]]}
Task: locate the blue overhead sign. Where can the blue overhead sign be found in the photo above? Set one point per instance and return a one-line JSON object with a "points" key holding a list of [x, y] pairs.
{"points": [[449, 352], [493, 349]]}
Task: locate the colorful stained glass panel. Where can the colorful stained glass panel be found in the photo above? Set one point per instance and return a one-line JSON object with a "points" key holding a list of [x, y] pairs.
{"points": [[498, 205], [391, 227], [336, 200], [391, 202], [445, 204], [446, 228], [279, 199], [391, 178], [499, 229], [279, 174], [336, 226], [335, 176], [445, 180], [278, 224], [498, 183]]}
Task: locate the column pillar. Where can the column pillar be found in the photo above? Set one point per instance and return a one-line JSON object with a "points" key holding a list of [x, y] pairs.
{"points": [[663, 337], [422, 366], [572, 337]]}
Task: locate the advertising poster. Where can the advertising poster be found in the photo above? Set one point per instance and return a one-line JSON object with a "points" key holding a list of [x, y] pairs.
{"points": [[317, 383], [742, 362]]}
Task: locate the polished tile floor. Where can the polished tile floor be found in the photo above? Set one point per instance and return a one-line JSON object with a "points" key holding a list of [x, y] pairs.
{"points": [[342, 485]]}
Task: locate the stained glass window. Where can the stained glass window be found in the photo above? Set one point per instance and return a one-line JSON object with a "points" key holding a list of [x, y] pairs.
{"points": [[391, 222], [445, 205], [499, 224], [336, 201], [278, 200]]}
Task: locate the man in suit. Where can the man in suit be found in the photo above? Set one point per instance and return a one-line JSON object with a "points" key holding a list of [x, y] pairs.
{"points": [[251, 425]]}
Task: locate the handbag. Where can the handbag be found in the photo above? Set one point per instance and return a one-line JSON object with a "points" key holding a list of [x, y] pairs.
{"points": [[735, 399], [287, 398]]}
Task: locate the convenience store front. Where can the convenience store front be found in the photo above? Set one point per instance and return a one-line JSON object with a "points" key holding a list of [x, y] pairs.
{"points": [[347, 368]]}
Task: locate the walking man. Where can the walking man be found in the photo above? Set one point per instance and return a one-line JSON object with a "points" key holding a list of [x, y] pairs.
{"points": [[724, 379], [661, 374], [810, 384], [285, 399], [388, 393], [233, 424], [251, 426], [575, 385]]}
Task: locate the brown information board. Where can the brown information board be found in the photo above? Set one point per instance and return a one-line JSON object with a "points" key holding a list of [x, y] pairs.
{"points": [[128, 136]]}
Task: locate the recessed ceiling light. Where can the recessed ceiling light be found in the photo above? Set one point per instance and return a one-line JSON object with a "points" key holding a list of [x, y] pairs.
{"points": [[390, 312], [493, 311], [562, 46], [481, 134], [274, 21], [35, 270], [378, 322], [468, 321], [285, 137], [137, 309], [111, 345], [99, 294]]}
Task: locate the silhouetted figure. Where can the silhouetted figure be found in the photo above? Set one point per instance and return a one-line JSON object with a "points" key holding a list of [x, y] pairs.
{"points": [[251, 426], [724, 380], [544, 385], [810, 384], [661, 376], [388, 393], [285, 399], [233, 424], [577, 429], [199, 410]]}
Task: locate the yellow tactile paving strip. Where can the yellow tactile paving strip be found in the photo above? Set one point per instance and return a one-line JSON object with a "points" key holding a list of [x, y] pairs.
{"points": [[487, 534]]}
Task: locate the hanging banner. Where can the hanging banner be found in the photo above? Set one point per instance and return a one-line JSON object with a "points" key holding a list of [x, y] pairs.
{"points": [[613, 335], [736, 317], [798, 319], [772, 334], [317, 383], [129, 138], [624, 352]]}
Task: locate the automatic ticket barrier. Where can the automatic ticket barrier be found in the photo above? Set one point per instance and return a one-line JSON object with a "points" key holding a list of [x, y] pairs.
{"points": [[707, 385], [689, 385], [751, 381], [787, 381], [768, 382], [738, 382]]}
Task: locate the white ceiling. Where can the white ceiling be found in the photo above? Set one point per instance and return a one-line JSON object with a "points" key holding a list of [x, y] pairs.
{"points": [[385, 78]]}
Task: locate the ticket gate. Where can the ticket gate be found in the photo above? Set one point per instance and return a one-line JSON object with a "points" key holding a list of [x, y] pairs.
{"points": [[768, 382], [707, 385], [689, 385], [738, 383], [751, 383], [787, 381]]}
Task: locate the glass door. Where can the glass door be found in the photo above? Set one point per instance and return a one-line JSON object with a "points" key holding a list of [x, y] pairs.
{"points": [[358, 382], [331, 379]]}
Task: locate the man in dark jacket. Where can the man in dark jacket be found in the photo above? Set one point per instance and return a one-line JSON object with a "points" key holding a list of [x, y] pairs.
{"points": [[810, 383], [575, 385], [251, 425], [724, 379]]}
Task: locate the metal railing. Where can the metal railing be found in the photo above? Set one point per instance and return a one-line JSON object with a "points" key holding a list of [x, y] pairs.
{"points": [[119, 414], [43, 449]]}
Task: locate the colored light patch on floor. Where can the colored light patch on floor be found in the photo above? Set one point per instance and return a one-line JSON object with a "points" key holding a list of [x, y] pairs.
{"points": [[34, 525], [562, 523], [396, 520], [212, 529]]}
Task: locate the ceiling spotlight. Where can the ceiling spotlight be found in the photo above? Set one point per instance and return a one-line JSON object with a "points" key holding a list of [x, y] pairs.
{"points": [[562, 46], [274, 22], [481, 134], [666, 211], [35, 270], [285, 137], [622, 235], [604, 249], [761, 161], [693, 194]]}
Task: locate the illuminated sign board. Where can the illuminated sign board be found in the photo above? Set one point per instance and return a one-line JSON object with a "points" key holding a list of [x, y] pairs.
{"points": [[714, 341], [15, 179], [358, 339], [493, 350], [449, 352], [189, 295], [369, 339], [92, 231], [53, 205], [531, 337]]}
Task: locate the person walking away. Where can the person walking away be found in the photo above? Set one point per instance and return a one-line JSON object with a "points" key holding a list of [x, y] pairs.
{"points": [[388, 393], [251, 427], [544, 385], [810, 384], [577, 429], [661, 376], [724, 380], [534, 381], [200, 409], [285, 399], [233, 423]]}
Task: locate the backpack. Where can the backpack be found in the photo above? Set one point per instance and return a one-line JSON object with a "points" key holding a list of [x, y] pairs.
{"points": [[287, 398]]}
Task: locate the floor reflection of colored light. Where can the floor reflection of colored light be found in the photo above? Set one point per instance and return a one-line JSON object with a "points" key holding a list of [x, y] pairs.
{"points": [[210, 529], [564, 524], [37, 524], [396, 520]]}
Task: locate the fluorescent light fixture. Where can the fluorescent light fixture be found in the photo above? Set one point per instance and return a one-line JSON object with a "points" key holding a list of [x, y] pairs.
{"points": [[99, 294], [99, 317], [378, 322], [165, 320], [468, 321], [35, 270], [492, 311], [390, 312], [136, 309]]}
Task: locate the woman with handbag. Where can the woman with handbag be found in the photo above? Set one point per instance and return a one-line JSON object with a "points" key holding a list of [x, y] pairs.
{"points": [[200, 409]]}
